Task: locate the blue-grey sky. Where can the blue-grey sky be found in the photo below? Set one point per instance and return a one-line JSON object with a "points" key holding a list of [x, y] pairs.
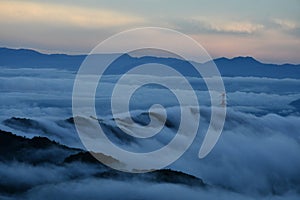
{"points": [[268, 29]]}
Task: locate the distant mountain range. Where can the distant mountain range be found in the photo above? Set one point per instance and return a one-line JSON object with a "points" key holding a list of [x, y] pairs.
{"points": [[29, 58], [238, 66]]}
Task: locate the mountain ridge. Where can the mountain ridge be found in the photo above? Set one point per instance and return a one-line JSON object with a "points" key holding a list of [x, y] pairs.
{"points": [[32, 51], [243, 66]]}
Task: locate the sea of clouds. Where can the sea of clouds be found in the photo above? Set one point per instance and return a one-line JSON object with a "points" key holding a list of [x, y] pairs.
{"points": [[257, 155]]}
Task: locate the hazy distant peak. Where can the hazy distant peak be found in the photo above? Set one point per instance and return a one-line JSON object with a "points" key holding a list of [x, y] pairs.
{"points": [[244, 59]]}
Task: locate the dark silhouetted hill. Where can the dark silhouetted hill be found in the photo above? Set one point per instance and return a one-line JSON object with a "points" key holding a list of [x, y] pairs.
{"points": [[41, 153]]}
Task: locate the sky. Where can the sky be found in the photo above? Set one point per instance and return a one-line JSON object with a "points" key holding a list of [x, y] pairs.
{"points": [[268, 30]]}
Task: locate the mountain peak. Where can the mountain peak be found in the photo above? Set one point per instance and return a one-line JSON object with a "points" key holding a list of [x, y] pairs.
{"points": [[245, 59]]}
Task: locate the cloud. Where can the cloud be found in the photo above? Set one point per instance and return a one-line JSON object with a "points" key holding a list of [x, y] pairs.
{"points": [[106, 189], [254, 155], [236, 27], [286, 24], [288, 27], [198, 25], [77, 181], [41, 13]]}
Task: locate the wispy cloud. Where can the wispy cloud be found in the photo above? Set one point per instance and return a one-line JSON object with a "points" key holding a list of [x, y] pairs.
{"points": [[20, 12], [236, 27], [286, 24], [200, 25]]}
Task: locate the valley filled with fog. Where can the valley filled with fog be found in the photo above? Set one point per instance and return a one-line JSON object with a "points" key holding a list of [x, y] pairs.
{"points": [[257, 155]]}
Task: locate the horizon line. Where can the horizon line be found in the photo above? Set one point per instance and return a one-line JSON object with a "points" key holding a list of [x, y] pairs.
{"points": [[49, 52]]}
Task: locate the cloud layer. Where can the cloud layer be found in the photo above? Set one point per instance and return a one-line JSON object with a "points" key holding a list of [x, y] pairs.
{"points": [[257, 155]]}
